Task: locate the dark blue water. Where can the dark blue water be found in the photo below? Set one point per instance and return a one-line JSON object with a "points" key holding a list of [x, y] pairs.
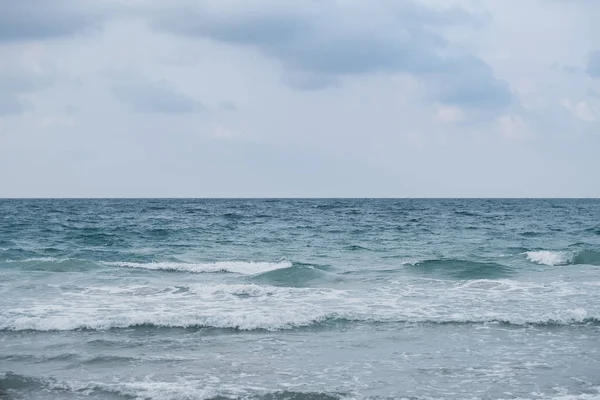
{"points": [[299, 299]]}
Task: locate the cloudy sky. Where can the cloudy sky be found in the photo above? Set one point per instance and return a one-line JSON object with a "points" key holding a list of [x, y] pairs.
{"points": [[300, 98]]}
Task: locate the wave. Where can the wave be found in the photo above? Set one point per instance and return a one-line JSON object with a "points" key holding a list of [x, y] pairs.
{"points": [[531, 234], [82, 358], [185, 387], [233, 216], [467, 213], [569, 318], [297, 275], [594, 230], [248, 307], [54, 260], [356, 247], [53, 264], [556, 258], [11, 381], [236, 267], [94, 237], [462, 269], [545, 257], [30, 385], [587, 257]]}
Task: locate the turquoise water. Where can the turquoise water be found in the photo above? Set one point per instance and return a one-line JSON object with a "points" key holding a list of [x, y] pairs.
{"points": [[299, 299]]}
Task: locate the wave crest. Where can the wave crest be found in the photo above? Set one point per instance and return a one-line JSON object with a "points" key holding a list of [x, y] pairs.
{"points": [[301, 320], [236, 267], [54, 260], [555, 258], [546, 257]]}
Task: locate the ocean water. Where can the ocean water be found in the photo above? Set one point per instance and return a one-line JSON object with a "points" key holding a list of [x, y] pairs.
{"points": [[299, 299]]}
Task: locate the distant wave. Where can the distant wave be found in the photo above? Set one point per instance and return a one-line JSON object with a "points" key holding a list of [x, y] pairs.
{"points": [[356, 247], [467, 213], [462, 269], [53, 264], [236, 267], [555, 258], [86, 358], [40, 260], [595, 230]]}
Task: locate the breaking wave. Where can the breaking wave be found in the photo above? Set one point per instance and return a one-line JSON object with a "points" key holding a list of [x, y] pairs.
{"points": [[250, 307], [188, 387], [546, 257], [54, 260], [236, 267], [301, 320]]}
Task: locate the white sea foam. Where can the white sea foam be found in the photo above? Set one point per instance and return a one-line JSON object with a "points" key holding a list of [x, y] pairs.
{"points": [[185, 387], [207, 386], [39, 259], [583, 396], [196, 386], [413, 261], [546, 257], [236, 267], [250, 306]]}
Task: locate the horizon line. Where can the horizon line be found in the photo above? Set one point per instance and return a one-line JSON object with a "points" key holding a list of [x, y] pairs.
{"points": [[303, 198]]}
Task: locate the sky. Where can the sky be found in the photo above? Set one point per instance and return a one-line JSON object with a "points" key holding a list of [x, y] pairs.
{"points": [[311, 98]]}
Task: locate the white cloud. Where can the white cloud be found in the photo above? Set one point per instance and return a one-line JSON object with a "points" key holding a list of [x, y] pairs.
{"points": [[151, 96], [581, 109], [585, 112], [222, 132], [58, 121], [415, 139], [449, 114], [512, 127]]}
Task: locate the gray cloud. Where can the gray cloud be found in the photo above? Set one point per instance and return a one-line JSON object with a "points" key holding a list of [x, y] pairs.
{"points": [[319, 41], [470, 82], [9, 105], [42, 19], [15, 82], [148, 96], [593, 67], [322, 37]]}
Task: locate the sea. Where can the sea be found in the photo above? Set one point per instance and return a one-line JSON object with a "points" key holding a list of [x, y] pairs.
{"points": [[299, 299]]}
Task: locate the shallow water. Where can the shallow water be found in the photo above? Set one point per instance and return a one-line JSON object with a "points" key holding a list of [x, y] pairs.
{"points": [[299, 299]]}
